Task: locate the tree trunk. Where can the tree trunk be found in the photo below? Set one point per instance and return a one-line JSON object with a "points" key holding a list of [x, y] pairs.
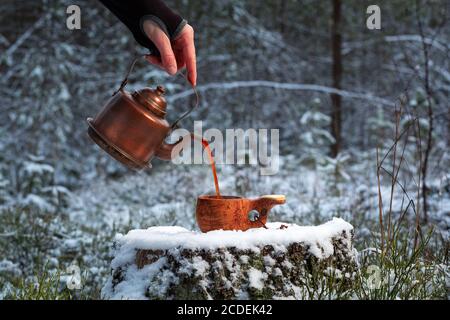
{"points": [[336, 42], [195, 266]]}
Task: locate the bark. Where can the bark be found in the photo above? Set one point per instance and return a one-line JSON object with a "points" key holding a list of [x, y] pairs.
{"points": [[336, 42], [430, 115]]}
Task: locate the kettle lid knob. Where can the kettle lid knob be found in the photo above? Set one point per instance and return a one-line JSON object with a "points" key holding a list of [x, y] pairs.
{"points": [[160, 90]]}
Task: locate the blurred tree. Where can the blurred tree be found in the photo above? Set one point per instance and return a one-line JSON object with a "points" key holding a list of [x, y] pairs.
{"points": [[336, 114]]}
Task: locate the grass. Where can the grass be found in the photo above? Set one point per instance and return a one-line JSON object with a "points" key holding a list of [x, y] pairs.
{"points": [[33, 241], [44, 286], [403, 272], [400, 271]]}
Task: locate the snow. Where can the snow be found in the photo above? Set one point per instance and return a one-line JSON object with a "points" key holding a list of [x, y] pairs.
{"points": [[137, 281], [69, 245], [243, 259], [7, 266], [34, 200], [313, 116], [318, 238], [37, 168], [268, 261], [256, 278], [199, 266], [287, 264]]}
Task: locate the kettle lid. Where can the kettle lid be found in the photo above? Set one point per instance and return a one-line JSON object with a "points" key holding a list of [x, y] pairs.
{"points": [[152, 99]]}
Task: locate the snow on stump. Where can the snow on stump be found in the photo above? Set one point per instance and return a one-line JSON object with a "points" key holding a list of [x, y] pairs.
{"points": [[175, 263]]}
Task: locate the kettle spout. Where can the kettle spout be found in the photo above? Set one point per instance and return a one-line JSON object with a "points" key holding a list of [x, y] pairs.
{"points": [[168, 151]]}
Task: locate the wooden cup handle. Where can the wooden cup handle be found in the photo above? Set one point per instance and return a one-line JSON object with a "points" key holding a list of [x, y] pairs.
{"points": [[274, 198], [264, 203]]}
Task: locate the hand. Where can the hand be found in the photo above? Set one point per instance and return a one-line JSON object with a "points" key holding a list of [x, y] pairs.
{"points": [[174, 55]]}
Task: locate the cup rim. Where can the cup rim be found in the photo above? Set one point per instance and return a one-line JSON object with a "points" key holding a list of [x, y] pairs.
{"points": [[215, 198]]}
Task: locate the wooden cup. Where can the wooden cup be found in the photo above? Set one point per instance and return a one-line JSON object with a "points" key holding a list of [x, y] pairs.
{"points": [[234, 213]]}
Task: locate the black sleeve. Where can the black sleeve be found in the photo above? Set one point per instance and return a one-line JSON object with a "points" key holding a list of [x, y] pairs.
{"points": [[133, 13]]}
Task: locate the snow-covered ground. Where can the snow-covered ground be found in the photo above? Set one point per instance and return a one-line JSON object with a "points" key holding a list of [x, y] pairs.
{"points": [[166, 196]]}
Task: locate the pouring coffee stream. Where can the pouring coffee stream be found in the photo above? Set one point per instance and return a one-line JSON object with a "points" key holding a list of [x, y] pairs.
{"points": [[213, 166], [131, 127]]}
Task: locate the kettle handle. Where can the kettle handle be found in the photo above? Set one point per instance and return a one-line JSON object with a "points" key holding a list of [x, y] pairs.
{"points": [[192, 107], [184, 115], [125, 80]]}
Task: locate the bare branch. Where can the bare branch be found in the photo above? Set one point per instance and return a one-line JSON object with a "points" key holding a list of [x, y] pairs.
{"points": [[283, 86], [25, 36]]}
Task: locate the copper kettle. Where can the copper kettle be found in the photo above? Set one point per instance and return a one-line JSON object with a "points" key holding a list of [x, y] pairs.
{"points": [[131, 127]]}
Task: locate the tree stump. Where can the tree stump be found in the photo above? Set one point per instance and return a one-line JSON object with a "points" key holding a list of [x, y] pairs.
{"points": [[279, 262]]}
